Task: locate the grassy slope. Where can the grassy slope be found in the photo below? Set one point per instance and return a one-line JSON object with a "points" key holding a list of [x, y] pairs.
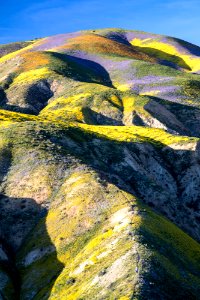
{"points": [[97, 241], [95, 227]]}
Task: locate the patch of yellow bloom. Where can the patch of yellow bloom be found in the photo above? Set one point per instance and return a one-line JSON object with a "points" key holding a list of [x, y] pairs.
{"points": [[15, 53], [32, 75], [115, 100], [135, 134], [150, 93], [10, 116], [122, 87], [192, 61]]}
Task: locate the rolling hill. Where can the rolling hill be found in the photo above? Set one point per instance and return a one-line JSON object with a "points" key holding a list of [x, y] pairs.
{"points": [[100, 167]]}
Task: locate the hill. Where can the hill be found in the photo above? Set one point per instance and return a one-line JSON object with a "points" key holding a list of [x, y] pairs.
{"points": [[100, 167]]}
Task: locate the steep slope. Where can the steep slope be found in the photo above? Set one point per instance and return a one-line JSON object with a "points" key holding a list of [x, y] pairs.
{"points": [[99, 168]]}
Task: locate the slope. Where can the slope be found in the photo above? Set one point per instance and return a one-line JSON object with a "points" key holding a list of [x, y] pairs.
{"points": [[99, 168]]}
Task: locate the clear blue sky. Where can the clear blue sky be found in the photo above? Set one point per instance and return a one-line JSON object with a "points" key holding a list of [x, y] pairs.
{"points": [[26, 19]]}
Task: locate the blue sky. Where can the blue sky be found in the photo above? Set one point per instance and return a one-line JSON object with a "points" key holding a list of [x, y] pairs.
{"points": [[23, 19]]}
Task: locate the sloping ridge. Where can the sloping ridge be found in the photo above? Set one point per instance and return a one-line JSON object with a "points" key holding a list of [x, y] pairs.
{"points": [[99, 167]]}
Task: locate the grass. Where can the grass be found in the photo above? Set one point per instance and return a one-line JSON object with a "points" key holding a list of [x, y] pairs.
{"points": [[192, 61], [105, 243], [136, 134], [93, 43], [33, 75], [84, 221]]}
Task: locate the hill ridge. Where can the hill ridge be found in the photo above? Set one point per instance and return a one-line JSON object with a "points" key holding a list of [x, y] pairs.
{"points": [[99, 167]]}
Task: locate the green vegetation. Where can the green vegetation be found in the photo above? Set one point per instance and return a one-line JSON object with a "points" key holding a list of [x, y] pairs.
{"points": [[99, 168]]}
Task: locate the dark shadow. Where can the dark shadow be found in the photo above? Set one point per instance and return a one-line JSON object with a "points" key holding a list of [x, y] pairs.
{"points": [[120, 38], [138, 121], [189, 116], [192, 89], [15, 108], [112, 167], [41, 91], [191, 48], [161, 113], [2, 97], [19, 218], [164, 58], [148, 183], [80, 69], [36, 95], [92, 117]]}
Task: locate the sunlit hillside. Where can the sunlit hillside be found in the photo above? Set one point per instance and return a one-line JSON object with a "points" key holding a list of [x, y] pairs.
{"points": [[100, 167]]}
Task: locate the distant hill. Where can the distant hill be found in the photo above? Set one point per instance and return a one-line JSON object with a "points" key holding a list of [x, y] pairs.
{"points": [[100, 167]]}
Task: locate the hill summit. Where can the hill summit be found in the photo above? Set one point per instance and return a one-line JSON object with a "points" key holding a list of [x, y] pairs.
{"points": [[100, 167]]}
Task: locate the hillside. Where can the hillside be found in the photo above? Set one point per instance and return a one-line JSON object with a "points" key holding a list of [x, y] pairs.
{"points": [[100, 167]]}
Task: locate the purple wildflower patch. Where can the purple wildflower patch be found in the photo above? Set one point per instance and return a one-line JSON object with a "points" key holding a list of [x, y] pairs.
{"points": [[55, 41]]}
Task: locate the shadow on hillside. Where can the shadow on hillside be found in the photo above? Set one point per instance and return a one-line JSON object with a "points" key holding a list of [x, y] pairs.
{"points": [[191, 48], [189, 116], [120, 38], [28, 98], [80, 69], [146, 168], [95, 118], [108, 159], [32, 97], [164, 58], [23, 242]]}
